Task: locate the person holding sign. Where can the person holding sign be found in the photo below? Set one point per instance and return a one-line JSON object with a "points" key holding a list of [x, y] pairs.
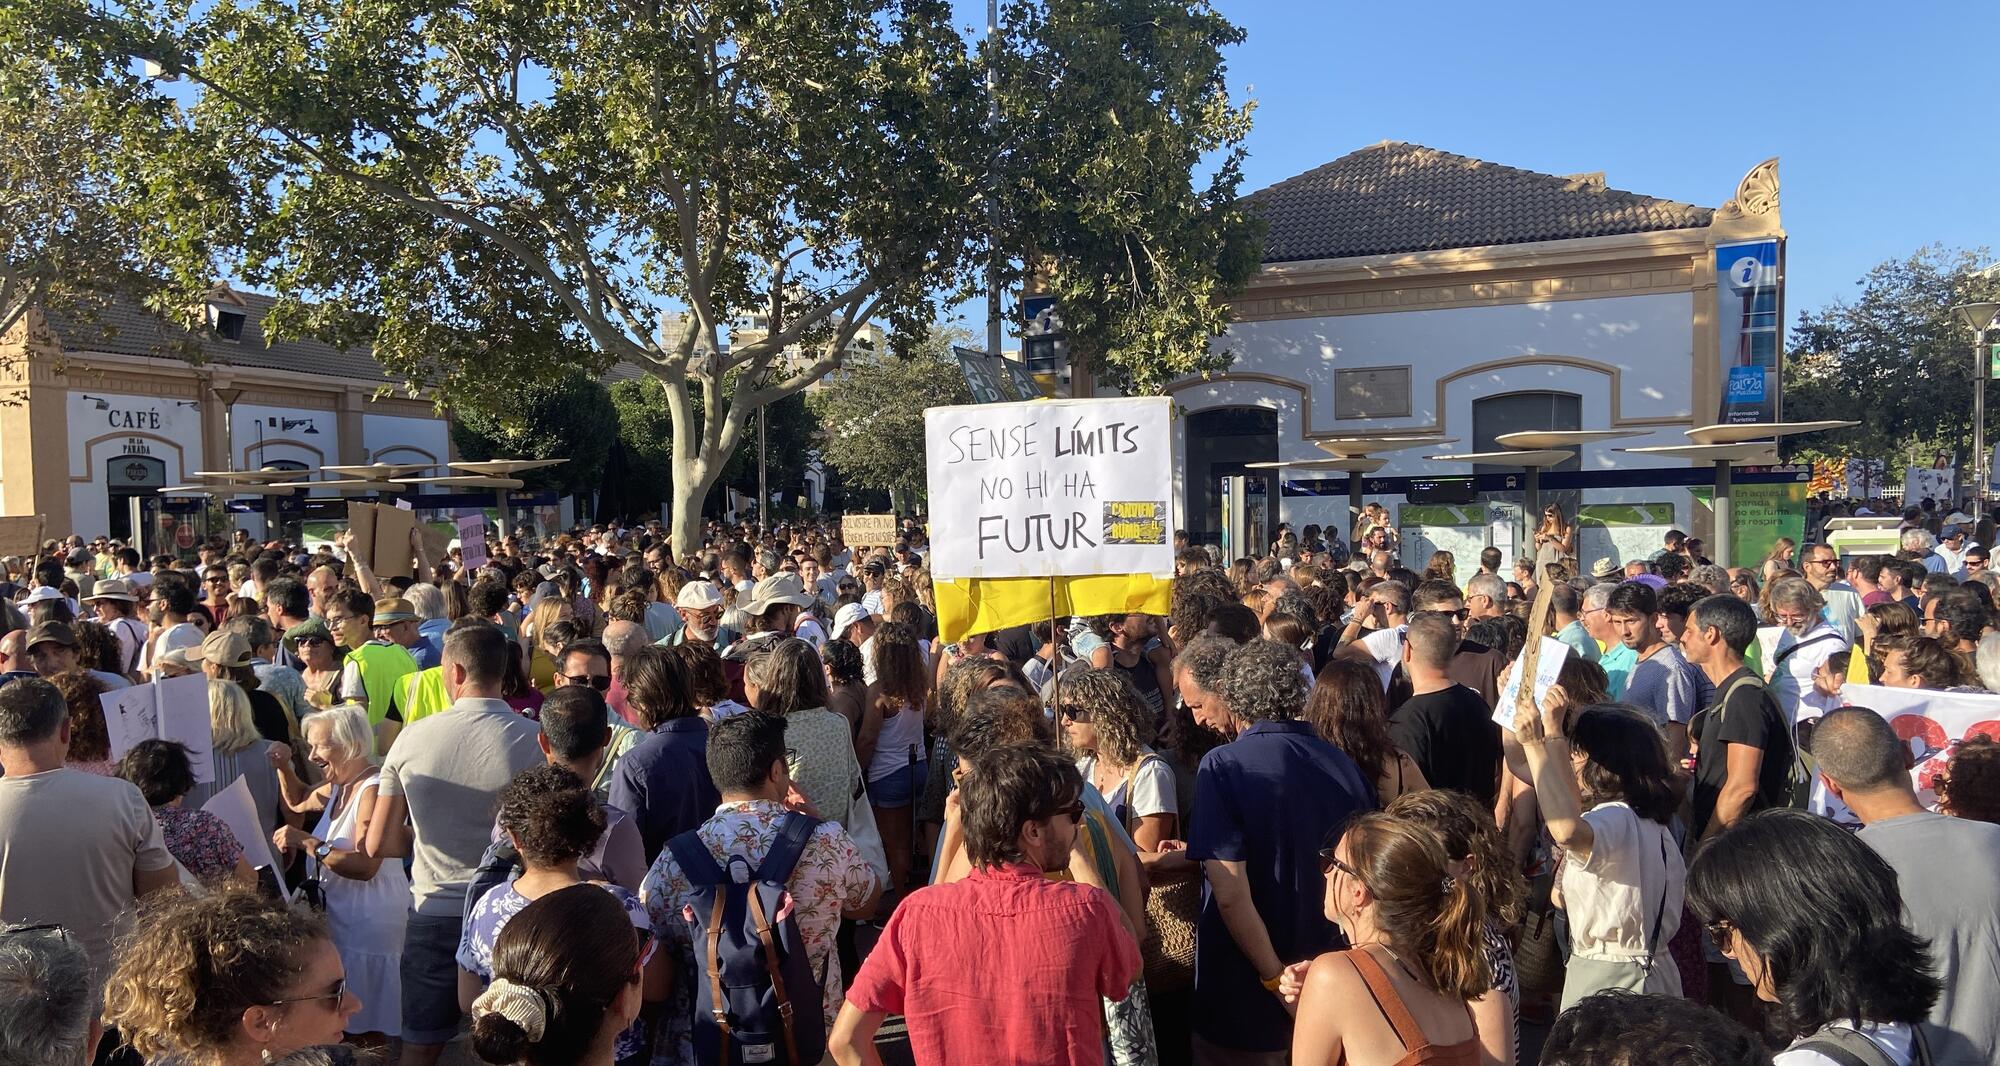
{"points": [[1622, 878]]}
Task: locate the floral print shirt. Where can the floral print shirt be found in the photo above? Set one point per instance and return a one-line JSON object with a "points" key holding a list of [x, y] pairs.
{"points": [[831, 876], [501, 903], [199, 840]]}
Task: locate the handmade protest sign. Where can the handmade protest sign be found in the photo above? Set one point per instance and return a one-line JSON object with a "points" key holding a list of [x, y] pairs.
{"points": [[174, 709], [1072, 497], [472, 541], [1547, 667], [237, 808], [868, 530], [22, 534]]}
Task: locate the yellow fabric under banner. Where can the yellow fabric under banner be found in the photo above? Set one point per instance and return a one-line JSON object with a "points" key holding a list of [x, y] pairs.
{"points": [[983, 605]]}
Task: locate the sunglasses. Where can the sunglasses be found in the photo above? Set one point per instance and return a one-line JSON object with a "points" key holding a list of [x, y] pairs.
{"points": [[336, 994], [1074, 810], [1329, 862], [600, 682], [1074, 714]]}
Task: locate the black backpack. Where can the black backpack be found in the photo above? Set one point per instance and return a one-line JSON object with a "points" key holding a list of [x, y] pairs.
{"points": [[755, 995]]}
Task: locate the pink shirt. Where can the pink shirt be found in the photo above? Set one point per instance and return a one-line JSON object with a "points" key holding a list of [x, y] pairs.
{"points": [[1003, 966]]}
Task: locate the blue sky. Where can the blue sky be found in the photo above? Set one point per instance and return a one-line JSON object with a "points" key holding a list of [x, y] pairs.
{"points": [[1886, 117]]}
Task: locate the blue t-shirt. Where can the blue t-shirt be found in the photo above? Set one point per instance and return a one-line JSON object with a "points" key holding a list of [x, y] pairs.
{"points": [[1666, 686], [1270, 799], [1618, 661]]}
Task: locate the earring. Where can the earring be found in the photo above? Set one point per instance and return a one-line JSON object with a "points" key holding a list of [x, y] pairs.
{"points": [[266, 1054]]}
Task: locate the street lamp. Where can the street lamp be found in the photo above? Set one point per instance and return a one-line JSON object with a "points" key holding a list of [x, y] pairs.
{"points": [[228, 396], [1978, 317]]}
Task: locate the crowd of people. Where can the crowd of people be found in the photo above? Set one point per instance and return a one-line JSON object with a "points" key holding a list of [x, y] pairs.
{"points": [[594, 803]]}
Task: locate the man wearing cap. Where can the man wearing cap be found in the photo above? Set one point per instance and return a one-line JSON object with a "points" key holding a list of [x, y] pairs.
{"points": [[373, 670], [51, 648], [117, 609], [1951, 547], [700, 606], [853, 623]]}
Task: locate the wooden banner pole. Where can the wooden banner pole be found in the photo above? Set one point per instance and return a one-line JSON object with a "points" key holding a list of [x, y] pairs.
{"points": [[1055, 657]]}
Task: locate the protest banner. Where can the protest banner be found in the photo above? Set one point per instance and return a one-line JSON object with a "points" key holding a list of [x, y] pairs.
{"points": [[1547, 667], [868, 530], [472, 541], [1057, 507], [1928, 721], [22, 534], [175, 709]]}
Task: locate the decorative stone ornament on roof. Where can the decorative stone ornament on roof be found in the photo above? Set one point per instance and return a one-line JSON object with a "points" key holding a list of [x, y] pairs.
{"points": [[1396, 197]]}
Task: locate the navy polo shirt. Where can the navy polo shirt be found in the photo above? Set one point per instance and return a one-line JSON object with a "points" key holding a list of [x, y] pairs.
{"points": [[1270, 799], [663, 782]]}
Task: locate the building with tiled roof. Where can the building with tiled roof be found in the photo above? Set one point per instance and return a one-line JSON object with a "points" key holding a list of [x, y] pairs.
{"points": [[1407, 290], [110, 406]]}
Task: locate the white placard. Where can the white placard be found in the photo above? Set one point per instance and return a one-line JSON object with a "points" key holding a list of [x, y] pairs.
{"points": [[472, 541], [1928, 721], [238, 810], [174, 709], [1922, 482], [1546, 670], [1051, 487]]}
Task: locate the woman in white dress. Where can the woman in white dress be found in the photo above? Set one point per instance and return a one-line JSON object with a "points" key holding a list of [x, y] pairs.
{"points": [[367, 900]]}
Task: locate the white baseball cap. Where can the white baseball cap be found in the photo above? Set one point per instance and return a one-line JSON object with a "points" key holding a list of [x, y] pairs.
{"points": [[847, 616], [698, 596]]}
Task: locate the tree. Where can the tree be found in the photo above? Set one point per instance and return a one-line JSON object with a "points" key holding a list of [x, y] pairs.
{"points": [[569, 419], [1094, 94], [872, 419], [1895, 357], [491, 194], [75, 228]]}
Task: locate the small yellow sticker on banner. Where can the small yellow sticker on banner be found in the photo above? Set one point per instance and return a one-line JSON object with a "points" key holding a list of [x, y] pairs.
{"points": [[984, 605]]}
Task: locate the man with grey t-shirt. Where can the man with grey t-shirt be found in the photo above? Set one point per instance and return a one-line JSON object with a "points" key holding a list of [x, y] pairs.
{"points": [[439, 787], [1948, 870]]}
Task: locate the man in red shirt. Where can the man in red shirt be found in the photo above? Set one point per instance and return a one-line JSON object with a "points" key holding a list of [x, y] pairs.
{"points": [[1004, 965]]}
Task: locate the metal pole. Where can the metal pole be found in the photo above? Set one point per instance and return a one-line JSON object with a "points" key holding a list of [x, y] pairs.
{"points": [[1531, 481], [500, 524], [1353, 513], [992, 186], [1722, 530], [1979, 369], [763, 490]]}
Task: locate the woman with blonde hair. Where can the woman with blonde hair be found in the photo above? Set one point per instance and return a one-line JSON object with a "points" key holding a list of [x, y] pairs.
{"points": [[1443, 566], [1403, 994], [239, 752], [227, 979], [534, 637], [366, 899], [1555, 538], [1779, 558]]}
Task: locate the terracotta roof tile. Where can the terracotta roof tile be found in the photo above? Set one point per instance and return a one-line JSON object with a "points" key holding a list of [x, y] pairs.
{"points": [[1398, 197], [121, 327]]}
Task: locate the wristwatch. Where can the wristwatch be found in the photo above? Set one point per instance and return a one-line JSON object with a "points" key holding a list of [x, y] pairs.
{"points": [[322, 851]]}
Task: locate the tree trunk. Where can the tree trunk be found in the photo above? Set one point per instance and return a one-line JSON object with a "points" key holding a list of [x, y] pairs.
{"points": [[684, 518]]}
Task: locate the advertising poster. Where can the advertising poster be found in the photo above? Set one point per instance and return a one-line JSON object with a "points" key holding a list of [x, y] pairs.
{"points": [[1749, 297]]}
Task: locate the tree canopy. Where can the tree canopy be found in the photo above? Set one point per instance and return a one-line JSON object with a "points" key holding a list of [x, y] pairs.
{"points": [[1893, 356], [489, 195], [872, 421], [572, 418]]}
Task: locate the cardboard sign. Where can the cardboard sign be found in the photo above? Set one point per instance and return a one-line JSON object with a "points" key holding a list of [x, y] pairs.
{"points": [[174, 709], [382, 538], [472, 541], [22, 534], [868, 530], [1051, 488]]}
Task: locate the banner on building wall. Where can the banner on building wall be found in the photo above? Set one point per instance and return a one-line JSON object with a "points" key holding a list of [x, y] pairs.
{"points": [[1749, 298], [1050, 507], [1759, 515]]}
